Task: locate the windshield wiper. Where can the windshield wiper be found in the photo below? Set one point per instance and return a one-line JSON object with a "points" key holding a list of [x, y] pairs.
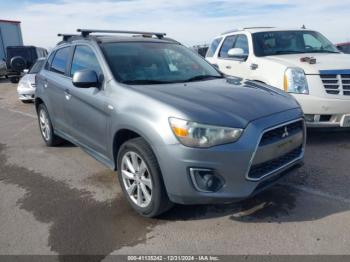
{"points": [[202, 77], [146, 82]]}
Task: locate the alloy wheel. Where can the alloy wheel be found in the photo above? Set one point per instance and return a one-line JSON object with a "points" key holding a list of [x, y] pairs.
{"points": [[137, 179], [45, 125]]}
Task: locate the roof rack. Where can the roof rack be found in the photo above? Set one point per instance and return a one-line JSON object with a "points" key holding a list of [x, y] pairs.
{"points": [[87, 32]]}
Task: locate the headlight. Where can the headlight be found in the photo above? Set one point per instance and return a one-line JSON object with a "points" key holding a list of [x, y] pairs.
{"points": [[295, 81], [193, 134]]}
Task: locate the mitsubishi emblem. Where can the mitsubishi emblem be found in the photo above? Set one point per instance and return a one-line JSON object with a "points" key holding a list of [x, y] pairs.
{"points": [[285, 133]]}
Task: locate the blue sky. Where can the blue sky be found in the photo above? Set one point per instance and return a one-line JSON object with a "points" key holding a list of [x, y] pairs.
{"points": [[189, 21]]}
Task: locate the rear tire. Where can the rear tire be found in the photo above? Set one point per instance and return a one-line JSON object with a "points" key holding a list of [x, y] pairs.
{"points": [[142, 174], [46, 129]]}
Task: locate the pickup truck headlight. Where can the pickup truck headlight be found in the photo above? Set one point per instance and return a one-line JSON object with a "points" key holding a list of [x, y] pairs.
{"points": [[295, 81], [193, 134]]}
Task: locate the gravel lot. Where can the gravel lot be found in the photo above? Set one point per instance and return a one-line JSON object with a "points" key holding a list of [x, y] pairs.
{"points": [[62, 201]]}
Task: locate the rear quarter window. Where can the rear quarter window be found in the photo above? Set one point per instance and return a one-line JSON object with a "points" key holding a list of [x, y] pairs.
{"points": [[212, 48]]}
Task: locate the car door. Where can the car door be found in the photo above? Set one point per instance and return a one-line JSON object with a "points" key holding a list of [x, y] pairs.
{"points": [[86, 107], [234, 66], [54, 81]]}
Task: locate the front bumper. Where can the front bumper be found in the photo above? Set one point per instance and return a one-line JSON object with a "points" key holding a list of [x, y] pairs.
{"points": [[231, 162], [26, 93], [324, 112]]}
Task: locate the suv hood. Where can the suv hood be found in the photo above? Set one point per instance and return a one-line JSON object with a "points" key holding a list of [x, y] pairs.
{"points": [[324, 61], [224, 102]]}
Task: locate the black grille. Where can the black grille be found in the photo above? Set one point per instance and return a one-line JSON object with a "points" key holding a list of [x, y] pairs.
{"points": [[259, 170], [276, 134]]}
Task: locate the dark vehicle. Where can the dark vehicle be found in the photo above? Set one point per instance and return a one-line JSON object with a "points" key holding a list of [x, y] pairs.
{"points": [[175, 128], [344, 47], [200, 49], [20, 58]]}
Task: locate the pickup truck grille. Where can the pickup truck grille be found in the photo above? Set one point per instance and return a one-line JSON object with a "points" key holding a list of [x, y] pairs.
{"points": [[279, 147], [336, 84]]}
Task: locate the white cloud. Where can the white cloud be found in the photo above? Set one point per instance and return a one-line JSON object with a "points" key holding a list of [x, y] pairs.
{"points": [[190, 22]]}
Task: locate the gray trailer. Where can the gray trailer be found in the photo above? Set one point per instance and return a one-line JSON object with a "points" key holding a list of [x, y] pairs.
{"points": [[10, 35]]}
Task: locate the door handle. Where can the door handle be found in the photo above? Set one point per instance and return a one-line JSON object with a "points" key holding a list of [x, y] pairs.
{"points": [[228, 67], [67, 94]]}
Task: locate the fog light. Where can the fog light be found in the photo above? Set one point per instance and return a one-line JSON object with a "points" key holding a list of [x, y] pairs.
{"points": [[205, 180], [309, 118]]}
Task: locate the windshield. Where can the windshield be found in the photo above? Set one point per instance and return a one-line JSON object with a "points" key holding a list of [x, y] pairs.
{"points": [[291, 42], [36, 67], [156, 63]]}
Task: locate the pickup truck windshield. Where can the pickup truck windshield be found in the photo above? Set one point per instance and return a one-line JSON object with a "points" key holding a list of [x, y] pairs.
{"points": [[291, 42], [143, 63]]}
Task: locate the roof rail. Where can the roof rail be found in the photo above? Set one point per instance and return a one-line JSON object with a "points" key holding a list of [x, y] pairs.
{"points": [[86, 32]]}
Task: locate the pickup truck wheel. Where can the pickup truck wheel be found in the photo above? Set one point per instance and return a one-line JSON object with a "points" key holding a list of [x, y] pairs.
{"points": [[140, 178], [46, 128]]}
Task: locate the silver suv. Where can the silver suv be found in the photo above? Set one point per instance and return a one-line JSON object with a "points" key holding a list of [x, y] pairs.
{"points": [[176, 130]]}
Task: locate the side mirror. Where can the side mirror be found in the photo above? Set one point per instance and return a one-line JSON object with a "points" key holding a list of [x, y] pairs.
{"points": [[237, 53], [85, 79]]}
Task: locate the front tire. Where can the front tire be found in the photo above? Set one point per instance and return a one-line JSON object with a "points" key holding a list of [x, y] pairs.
{"points": [[46, 129], [141, 179]]}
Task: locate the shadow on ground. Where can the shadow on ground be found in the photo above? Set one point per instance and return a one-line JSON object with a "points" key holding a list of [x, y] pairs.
{"points": [[82, 225]]}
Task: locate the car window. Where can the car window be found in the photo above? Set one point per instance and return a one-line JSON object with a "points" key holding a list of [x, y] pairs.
{"points": [[214, 45], [291, 42], [242, 42], [84, 58], [311, 41], [227, 45], [347, 49], [49, 61], [152, 63], [36, 67], [59, 62]]}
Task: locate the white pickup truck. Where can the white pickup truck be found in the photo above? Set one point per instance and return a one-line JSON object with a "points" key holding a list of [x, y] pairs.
{"points": [[302, 62]]}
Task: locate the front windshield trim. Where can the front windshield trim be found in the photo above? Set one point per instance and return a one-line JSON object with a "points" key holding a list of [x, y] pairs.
{"points": [[206, 71], [290, 52]]}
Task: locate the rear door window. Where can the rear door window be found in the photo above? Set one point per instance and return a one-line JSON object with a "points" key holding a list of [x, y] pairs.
{"points": [[59, 62]]}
